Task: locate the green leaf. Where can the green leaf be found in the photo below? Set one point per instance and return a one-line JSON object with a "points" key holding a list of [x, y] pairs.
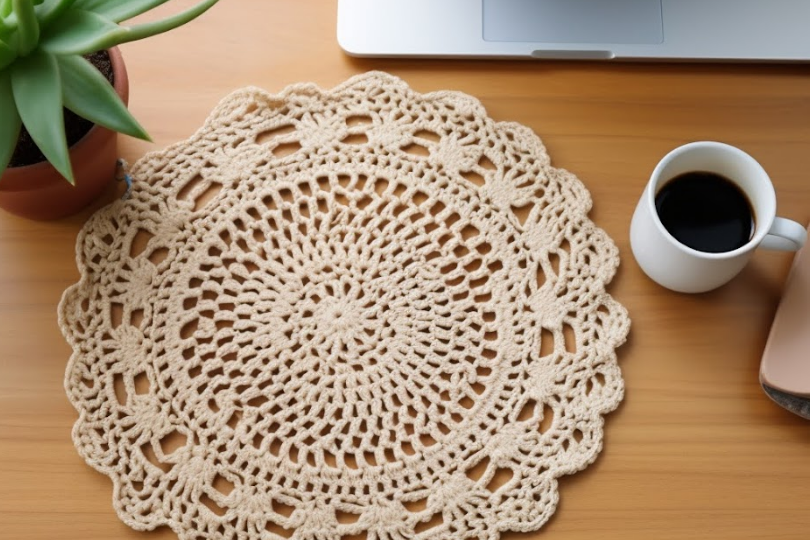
{"points": [[5, 28], [51, 10], [27, 25], [87, 93], [154, 28], [119, 10], [7, 55], [11, 21], [37, 90], [10, 126], [80, 32], [97, 6], [5, 8]]}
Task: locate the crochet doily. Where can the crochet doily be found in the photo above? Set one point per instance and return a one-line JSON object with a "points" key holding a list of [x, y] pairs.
{"points": [[356, 313]]}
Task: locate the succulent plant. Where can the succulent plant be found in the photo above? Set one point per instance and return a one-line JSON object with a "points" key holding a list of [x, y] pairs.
{"points": [[42, 68]]}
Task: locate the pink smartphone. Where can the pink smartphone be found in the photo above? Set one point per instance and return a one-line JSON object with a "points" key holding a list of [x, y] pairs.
{"points": [[785, 369]]}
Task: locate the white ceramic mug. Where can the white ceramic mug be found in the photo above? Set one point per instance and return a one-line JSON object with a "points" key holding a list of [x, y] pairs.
{"points": [[681, 268]]}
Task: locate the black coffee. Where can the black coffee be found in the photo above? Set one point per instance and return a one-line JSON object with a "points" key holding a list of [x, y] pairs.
{"points": [[705, 211]]}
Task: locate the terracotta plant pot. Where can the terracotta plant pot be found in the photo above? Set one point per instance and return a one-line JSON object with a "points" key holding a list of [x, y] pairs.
{"points": [[39, 192]]}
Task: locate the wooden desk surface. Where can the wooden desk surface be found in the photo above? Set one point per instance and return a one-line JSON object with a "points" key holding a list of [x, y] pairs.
{"points": [[695, 451]]}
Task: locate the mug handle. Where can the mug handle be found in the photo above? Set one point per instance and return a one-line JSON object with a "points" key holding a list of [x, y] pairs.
{"points": [[785, 235]]}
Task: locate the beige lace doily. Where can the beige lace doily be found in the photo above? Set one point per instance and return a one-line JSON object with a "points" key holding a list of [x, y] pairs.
{"points": [[356, 313]]}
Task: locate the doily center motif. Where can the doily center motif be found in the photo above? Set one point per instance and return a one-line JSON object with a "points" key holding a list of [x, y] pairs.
{"points": [[357, 313]]}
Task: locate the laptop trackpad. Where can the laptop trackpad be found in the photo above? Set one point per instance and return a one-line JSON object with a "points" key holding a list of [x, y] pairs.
{"points": [[574, 21]]}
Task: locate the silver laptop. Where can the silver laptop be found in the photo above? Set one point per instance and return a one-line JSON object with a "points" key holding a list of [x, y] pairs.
{"points": [[703, 30]]}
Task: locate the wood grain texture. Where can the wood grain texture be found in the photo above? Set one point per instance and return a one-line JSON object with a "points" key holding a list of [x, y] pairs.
{"points": [[695, 451]]}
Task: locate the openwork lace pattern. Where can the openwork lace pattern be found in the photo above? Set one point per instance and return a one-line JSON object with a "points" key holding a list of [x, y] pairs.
{"points": [[356, 313]]}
